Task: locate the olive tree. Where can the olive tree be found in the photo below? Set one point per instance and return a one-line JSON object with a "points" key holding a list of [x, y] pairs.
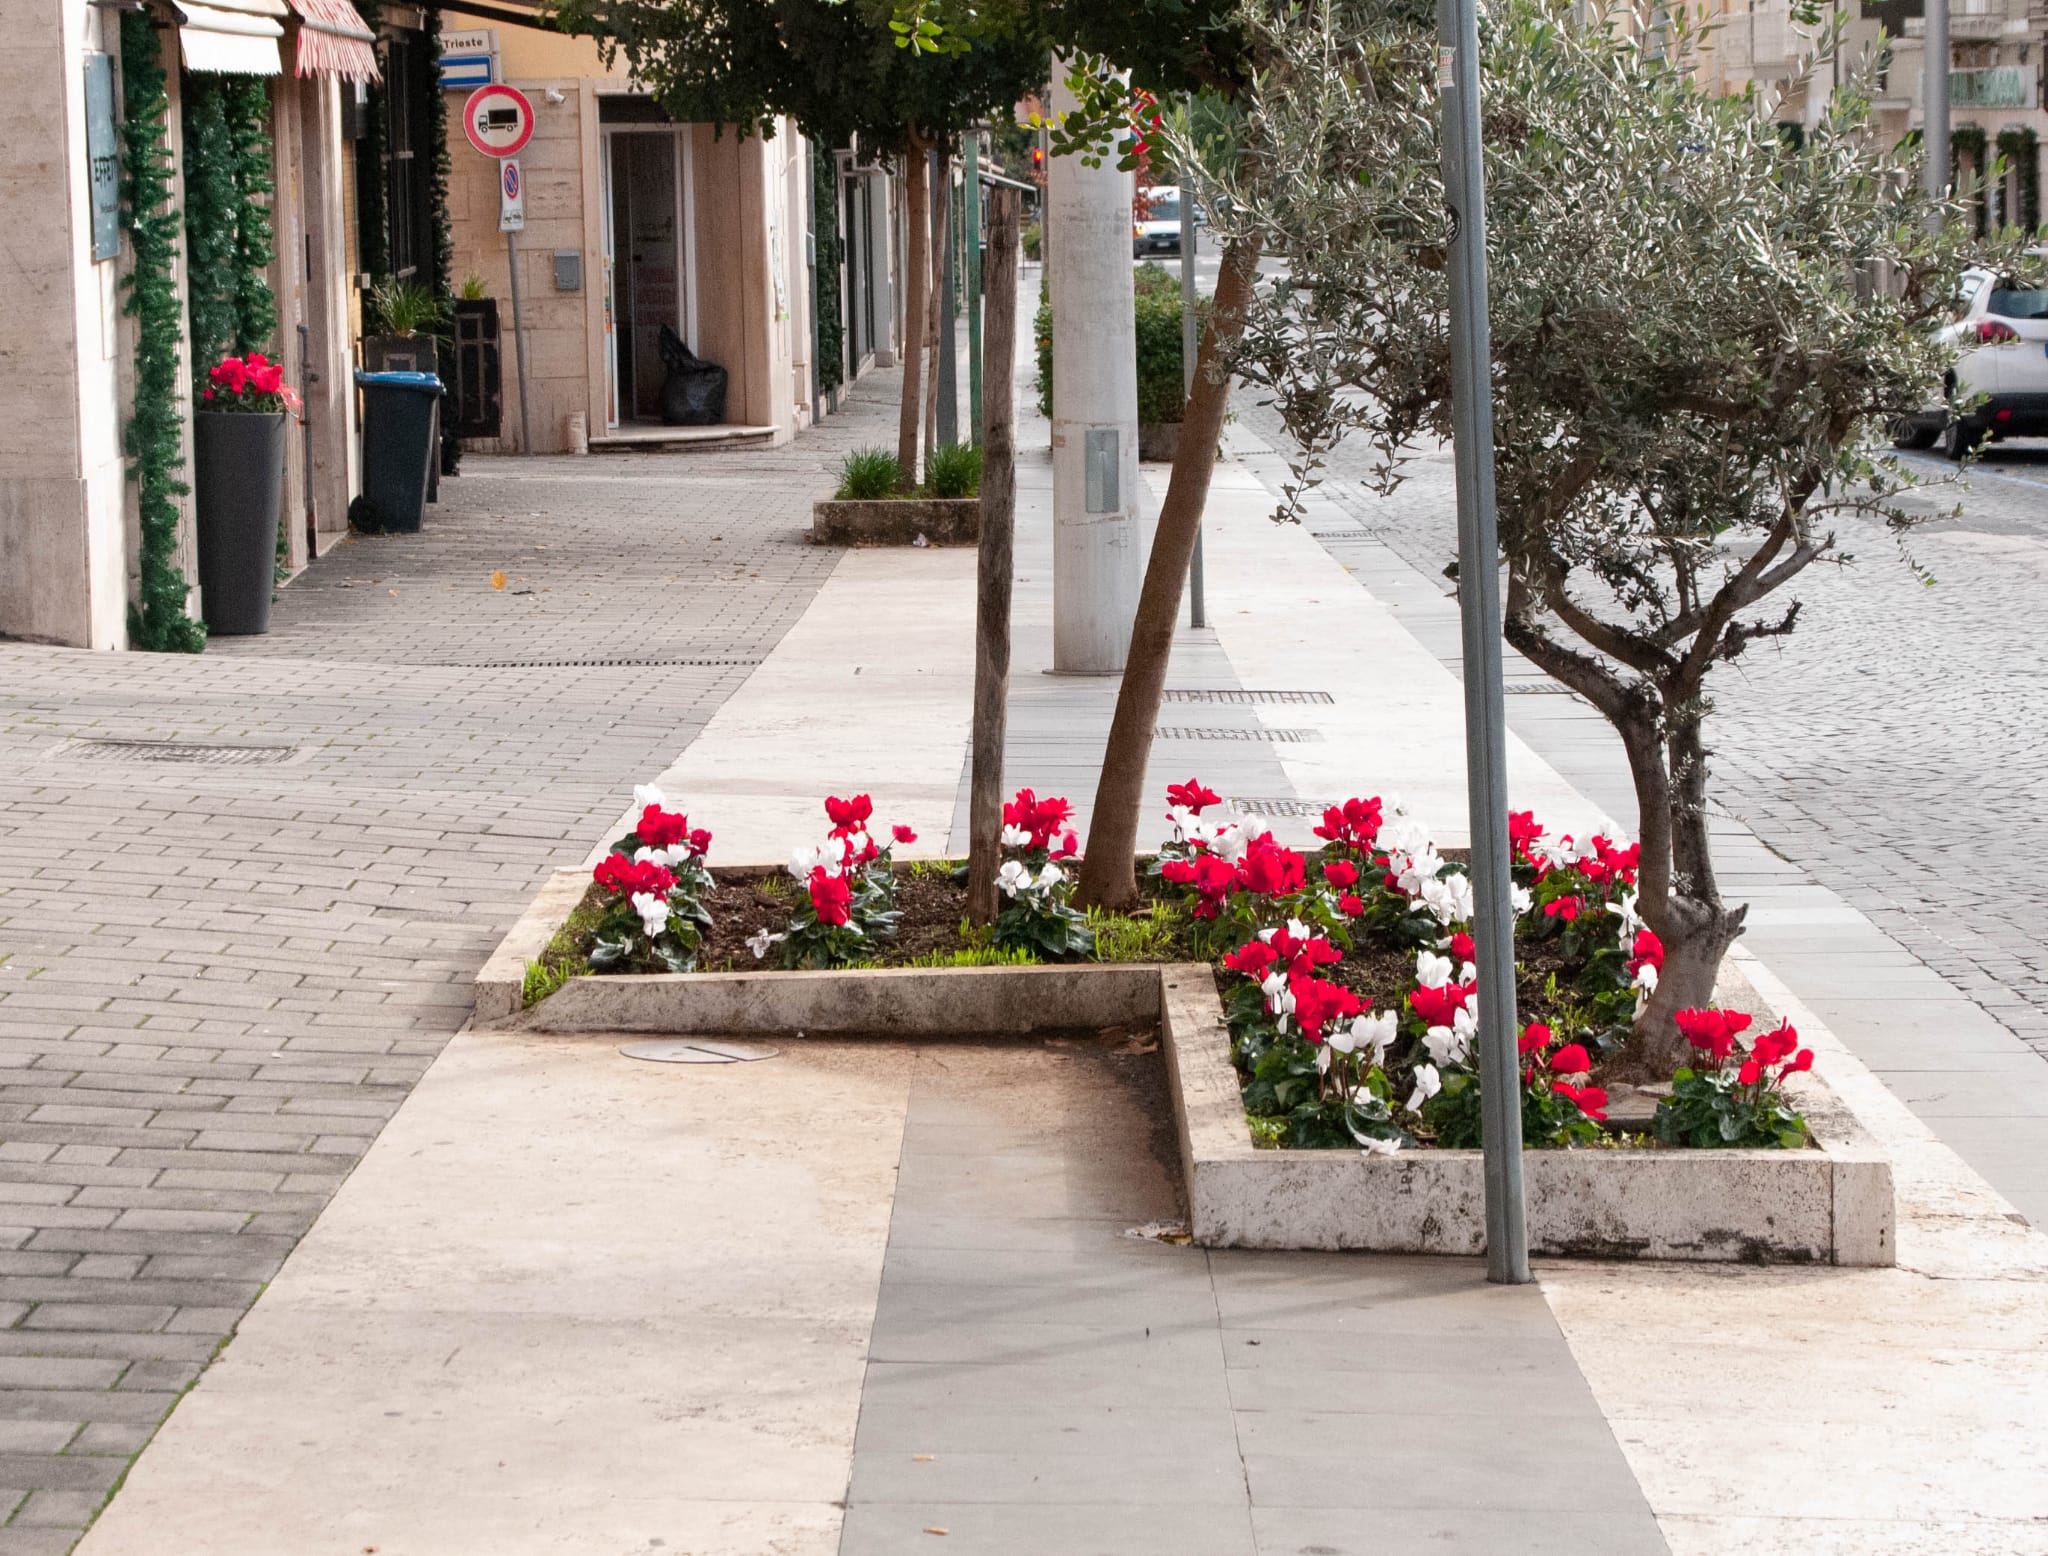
{"points": [[1701, 335]]}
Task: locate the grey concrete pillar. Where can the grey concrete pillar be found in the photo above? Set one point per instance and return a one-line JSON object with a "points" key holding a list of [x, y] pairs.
{"points": [[1098, 547]]}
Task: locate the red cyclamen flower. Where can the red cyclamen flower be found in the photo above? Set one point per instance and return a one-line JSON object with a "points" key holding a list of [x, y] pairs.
{"points": [[1592, 1100], [902, 834], [1341, 873], [830, 897], [660, 828], [849, 813], [1535, 1037], [1571, 1060], [1193, 795], [1712, 1031], [617, 873]]}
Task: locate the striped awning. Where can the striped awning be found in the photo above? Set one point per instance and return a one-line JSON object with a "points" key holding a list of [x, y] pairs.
{"points": [[234, 37], [334, 40]]}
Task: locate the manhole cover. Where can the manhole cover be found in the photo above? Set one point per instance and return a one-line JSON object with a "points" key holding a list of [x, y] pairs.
{"points": [[677, 1050], [1233, 694], [173, 751]]}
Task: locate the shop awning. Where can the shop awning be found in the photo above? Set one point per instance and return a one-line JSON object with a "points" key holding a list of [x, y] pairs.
{"points": [[235, 37], [334, 40]]}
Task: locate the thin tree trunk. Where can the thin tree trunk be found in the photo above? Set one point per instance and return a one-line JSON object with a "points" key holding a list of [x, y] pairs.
{"points": [[941, 196], [994, 561], [916, 265], [1109, 871]]}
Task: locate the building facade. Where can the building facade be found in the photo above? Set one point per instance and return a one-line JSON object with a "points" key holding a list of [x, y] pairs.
{"points": [[1996, 83], [71, 546], [770, 257]]}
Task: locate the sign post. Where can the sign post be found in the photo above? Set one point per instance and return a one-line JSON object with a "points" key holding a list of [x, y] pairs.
{"points": [[1493, 919], [499, 122]]}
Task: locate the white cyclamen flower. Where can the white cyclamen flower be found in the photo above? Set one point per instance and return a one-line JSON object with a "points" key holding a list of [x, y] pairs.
{"points": [[1444, 1045], [1380, 1147], [1448, 898], [1184, 822], [1404, 835], [759, 942], [1013, 877], [1413, 872], [1279, 998], [1377, 1031], [1631, 920], [1052, 875], [1468, 972], [802, 861], [653, 912], [646, 794], [1230, 842], [1521, 899], [1432, 971], [1014, 836], [1427, 1084]]}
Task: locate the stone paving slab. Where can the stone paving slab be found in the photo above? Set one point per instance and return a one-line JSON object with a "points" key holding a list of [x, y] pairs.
{"points": [[1306, 1394], [218, 982]]}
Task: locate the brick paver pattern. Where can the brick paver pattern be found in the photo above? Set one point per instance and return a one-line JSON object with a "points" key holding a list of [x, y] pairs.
{"points": [[1895, 745], [217, 981]]}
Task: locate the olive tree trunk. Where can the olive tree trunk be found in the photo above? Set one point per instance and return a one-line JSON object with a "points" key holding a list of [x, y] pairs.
{"points": [[1109, 870]]}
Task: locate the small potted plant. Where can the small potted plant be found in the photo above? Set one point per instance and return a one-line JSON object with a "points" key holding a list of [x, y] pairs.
{"points": [[238, 486]]}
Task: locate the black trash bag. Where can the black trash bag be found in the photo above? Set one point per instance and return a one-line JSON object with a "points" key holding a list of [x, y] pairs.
{"points": [[694, 395]]}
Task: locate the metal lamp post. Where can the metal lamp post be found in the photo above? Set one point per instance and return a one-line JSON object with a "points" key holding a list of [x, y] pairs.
{"points": [[1493, 922]]}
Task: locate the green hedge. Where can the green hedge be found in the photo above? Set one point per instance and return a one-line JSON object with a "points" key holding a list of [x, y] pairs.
{"points": [[1160, 375]]}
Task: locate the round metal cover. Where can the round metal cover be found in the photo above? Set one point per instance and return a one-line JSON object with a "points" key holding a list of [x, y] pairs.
{"points": [[681, 1050]]}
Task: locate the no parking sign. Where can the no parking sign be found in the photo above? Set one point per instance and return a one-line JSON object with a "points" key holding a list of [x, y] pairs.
{"points": [[511, 197]]}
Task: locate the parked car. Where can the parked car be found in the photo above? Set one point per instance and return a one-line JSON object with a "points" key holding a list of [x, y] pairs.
{"points": [[1158, 230], [2002, 327]]}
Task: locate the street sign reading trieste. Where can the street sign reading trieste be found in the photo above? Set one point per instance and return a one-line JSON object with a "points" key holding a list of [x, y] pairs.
{"points": [[498, 120]]}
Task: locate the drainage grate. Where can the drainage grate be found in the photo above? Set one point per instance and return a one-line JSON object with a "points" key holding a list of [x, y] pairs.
{"points": [[603, 664], [1240, 696], [1217, 732], [1536, 689], [174, 751], [1255, 806]]}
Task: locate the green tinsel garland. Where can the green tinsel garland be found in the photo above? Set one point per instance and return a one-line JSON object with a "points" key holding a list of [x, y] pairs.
{"points": [[247, 103], [825, 196], [2022, 148], [1968, 140], [441, 233], [158, 620], [210, 211], [372, 228]]}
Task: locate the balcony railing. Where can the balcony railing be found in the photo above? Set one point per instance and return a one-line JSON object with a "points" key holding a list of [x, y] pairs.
{"points": [[1995, 86]]}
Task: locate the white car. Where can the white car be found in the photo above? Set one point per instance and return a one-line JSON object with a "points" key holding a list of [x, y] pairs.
{"points": [[1158, 230], [2003, 329]]}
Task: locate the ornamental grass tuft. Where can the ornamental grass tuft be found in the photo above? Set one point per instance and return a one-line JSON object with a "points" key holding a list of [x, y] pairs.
{"points": [[953, 470], [867, 474]]}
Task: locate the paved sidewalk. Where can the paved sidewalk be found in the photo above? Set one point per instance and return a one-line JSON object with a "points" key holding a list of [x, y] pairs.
{"points": [[571, 1303], [222, 970]]}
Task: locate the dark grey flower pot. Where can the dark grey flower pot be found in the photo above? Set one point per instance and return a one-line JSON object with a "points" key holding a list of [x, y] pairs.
{"points": [[237, 484]]}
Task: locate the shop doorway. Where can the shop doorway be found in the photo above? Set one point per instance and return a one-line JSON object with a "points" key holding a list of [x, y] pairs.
{"points": [[649, 206]]}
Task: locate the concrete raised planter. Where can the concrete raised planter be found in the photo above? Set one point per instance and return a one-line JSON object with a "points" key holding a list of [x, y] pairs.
{"points": [[897, 521], [1832, 1204]]}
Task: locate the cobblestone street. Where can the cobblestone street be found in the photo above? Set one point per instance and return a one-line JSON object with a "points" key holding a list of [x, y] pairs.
{"points": [[223, 962], [1896, 745]]}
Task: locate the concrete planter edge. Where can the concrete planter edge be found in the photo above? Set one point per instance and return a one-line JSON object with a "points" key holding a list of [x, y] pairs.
{"points": [[897, 521], [1833, 1204]]}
